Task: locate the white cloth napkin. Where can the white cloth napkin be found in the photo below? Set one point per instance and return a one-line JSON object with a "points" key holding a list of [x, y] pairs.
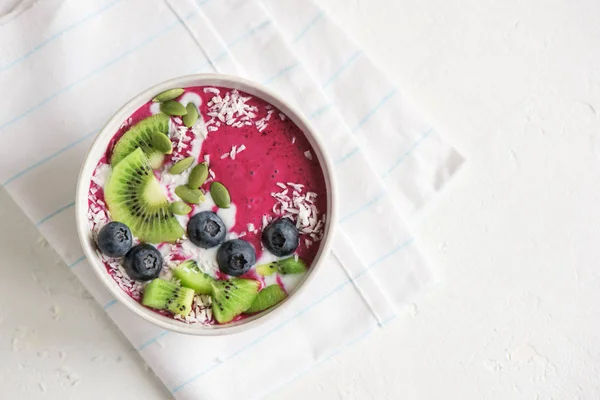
{"points": [[69, 64]]}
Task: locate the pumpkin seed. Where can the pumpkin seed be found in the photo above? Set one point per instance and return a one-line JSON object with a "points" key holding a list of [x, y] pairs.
{"points": [[180, 208], [191, 117], [168, 95], [198, 176], [161, 142], [192, 196], [181, 165], [173, 107], [220, 195]]}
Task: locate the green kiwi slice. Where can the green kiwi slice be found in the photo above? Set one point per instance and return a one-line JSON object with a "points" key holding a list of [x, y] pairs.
{"points": [[290, 265], [142, 135], [191, 277], [164, 295], [267, 298], [232, 297], [134, 197]]}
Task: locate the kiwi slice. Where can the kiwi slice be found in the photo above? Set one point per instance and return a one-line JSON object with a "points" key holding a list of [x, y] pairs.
{"points": [[267, 298], [191, 277], [290, 265], [134, 197], [165, 295], [267, 269], [232, 297], [142, 135]]}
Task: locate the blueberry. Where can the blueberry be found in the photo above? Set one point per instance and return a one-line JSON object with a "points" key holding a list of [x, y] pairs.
{"points": [[143, 262], [281, 237], [206, 229], [114, 239], [235, 257]]}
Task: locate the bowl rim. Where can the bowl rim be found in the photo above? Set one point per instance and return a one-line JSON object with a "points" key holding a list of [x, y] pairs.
{"points": [[98, 148]]}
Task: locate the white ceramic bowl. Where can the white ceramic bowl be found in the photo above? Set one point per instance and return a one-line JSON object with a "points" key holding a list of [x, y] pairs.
{"points": [[98, 148]]}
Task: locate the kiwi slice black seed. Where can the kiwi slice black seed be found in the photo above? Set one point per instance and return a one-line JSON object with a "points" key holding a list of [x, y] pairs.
{"points": [[191, 277], [164, 295], [134, 197], [141, 135], [232, 297], [290, 265]]}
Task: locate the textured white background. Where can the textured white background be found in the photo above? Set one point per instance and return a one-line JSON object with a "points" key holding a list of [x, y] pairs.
{"points": [[515, 85]]}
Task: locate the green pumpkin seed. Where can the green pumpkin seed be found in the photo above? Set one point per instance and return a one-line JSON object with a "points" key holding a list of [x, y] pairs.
{"points": [[181, 166], [198, 176], [180, 208], [161, 142], [220, 195], [192, 196], [168, 95], [191, 117], [173, 107]]}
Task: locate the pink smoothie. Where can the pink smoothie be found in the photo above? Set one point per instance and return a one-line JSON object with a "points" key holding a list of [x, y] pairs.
{"points": [[275, 154]]}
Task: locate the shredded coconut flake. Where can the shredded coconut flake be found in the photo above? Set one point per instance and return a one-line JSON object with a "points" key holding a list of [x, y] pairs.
{"points": [[232, 110], [201, 312], [299, 208]]}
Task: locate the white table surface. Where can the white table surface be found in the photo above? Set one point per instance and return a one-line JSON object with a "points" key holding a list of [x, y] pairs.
{"points": [[515, 85]]}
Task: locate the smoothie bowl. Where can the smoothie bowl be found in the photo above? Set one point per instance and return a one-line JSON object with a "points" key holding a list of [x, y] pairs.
{"points": [[205, 204]]}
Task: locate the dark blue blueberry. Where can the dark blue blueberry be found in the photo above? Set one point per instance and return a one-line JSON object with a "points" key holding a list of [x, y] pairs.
{"points": [[281, 237], [206, 229], [236, 257], [143, 262], [114, 239]]}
